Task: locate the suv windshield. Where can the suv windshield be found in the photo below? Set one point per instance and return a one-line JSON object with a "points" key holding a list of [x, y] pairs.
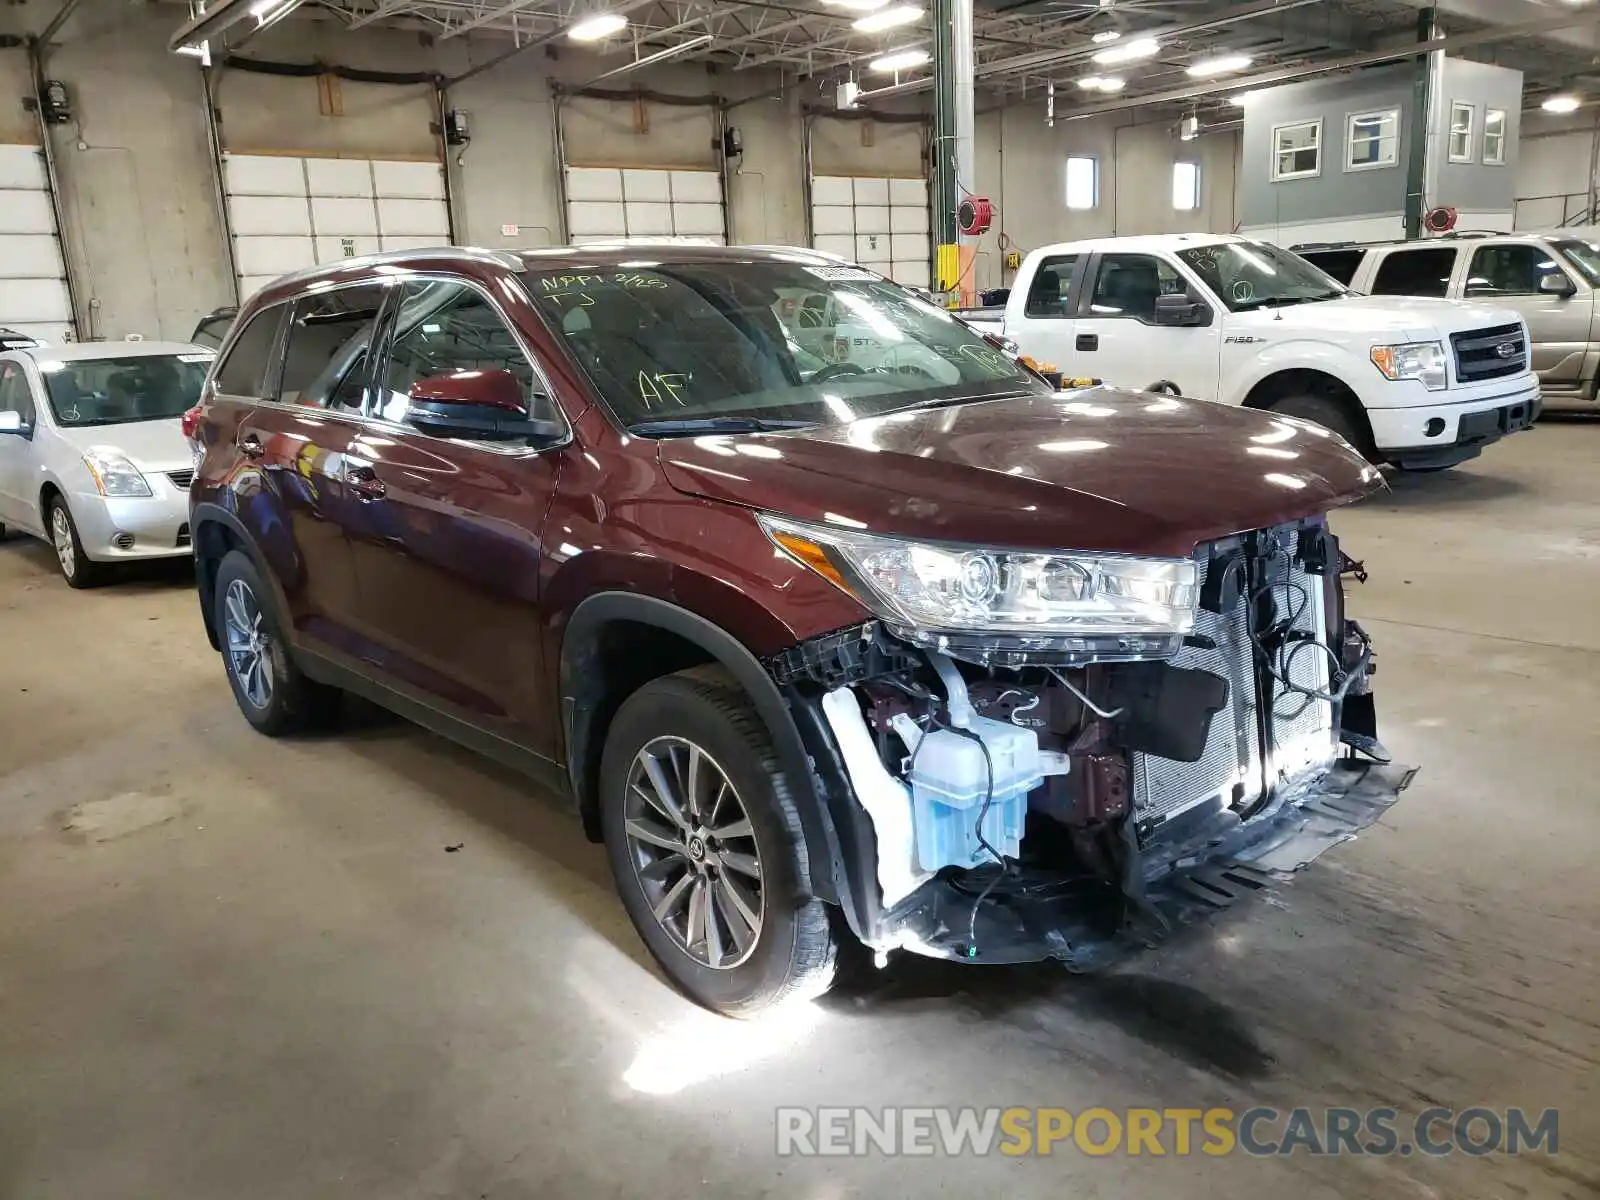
{"points": [[680, 348], [115, 391], [1257, 275], [1583, 255]]}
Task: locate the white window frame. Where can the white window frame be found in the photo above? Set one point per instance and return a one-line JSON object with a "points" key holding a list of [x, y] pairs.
{"points": [[1189, 200], [1279, 176], [1094, 181], [1499, 159], [1466, 155], [1380, 115]]}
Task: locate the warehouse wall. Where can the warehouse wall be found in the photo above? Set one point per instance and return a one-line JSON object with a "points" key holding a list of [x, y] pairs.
{"points": [[1554, 170], [17, 125]]}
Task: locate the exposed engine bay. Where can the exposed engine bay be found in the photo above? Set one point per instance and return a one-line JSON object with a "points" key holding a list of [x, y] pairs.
{"points": [[1027, 804]]}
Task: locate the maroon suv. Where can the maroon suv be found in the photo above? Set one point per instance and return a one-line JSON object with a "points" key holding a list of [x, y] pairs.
{"points": [[832, 620]]}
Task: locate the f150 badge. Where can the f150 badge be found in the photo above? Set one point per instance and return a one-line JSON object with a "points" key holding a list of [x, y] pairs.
{"points": [[1245, 340]]}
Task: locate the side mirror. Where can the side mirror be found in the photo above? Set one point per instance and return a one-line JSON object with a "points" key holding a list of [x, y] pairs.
{"points": [[1181, 310], [1554, 283], [487, 405], [12, 423]]}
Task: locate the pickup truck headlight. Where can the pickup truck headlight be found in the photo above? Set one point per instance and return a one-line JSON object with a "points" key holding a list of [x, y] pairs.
{"points": [[114, 475], [1084, 606], [1423, 361]]}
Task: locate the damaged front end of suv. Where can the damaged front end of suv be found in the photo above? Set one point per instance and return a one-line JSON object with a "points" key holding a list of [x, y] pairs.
{"points": [[1066, 756]]}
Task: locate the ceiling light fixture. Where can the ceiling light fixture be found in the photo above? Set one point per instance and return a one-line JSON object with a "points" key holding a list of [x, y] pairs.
{"points": [[900, 60], [1221, 65], [889, 18], [1102, 83], [1241, 98], [601, 25], [1561, 104], [1106, 35], [858, 5], [1129, 52]]}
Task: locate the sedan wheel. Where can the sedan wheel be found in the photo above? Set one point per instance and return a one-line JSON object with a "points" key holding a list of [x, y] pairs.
{"points": [[61, 538], [248, 644], [77, 568], [694, 852]]}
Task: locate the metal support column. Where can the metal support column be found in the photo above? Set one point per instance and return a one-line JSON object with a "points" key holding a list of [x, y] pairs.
{"points": [[947, 264], [1419, 149]]}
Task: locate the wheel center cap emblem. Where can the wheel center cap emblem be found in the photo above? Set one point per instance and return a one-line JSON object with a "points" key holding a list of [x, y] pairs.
{"points": [[697, 849]]}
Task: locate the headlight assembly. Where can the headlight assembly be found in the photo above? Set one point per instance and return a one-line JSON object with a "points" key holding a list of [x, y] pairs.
{"points": [[114, 475], [1082, 607], [1423, 361]]}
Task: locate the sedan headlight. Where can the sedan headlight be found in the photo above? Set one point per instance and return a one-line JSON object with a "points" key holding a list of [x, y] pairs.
{"points": [[1081, 606], [1422, 361], [114, 475]]}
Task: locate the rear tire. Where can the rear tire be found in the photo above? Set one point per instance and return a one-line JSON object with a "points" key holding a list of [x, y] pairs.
{"points": [[275, 696], [735, 849], [1330, 414], [77, 568]]}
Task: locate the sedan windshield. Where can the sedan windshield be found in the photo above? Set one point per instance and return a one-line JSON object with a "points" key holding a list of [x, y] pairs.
{"points": [[1251, 275], [683, 348], [1583, 255], [116, 391]]}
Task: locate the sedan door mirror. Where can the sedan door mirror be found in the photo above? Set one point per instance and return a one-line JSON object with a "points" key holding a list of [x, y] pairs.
{"points": [[12, 423], [1181, 310], [486, 405], [1554, 283]]}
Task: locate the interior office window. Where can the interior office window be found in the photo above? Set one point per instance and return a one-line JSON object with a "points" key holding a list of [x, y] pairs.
{"points": [[244, 371], [1494, 137], [443, 327], [325, 356], [1297, 150], [1424, 272], [1083, 181], [1128, 284], [1508, 270], [1185, 186], [1461, 121], [1052, 282], [1372, 140]]}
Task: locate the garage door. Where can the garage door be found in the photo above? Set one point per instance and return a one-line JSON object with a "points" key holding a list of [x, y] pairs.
{"points": [[33, 284], [878, 221], [289, 212], [605, 203]]}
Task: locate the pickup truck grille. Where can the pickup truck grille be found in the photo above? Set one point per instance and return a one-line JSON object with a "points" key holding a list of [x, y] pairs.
{"points": [[1490, 353], [1230, 772]]}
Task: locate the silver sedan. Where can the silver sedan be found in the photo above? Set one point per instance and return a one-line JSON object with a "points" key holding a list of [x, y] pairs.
{"points": [[92, 453]]}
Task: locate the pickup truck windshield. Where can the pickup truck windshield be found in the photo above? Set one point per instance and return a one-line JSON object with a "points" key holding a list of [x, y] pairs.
{"points": [[681, 348], [1583, 255], [1249, 275], [119, 391]]}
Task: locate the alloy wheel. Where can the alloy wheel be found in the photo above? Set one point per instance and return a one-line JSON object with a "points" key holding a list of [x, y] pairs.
{"points": [[695, 852], [248, 644], [61, 538]]}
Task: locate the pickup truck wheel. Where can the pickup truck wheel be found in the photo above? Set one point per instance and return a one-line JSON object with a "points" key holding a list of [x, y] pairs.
{"points": [[1330, 414], [274, 695], [707, 848]]}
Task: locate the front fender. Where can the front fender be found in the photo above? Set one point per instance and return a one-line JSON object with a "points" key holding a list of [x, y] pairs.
{"points": [[1302, 354]]}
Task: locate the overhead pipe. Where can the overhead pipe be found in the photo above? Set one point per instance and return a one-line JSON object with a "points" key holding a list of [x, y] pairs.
{"points": [[82, 318], [57, 21]]}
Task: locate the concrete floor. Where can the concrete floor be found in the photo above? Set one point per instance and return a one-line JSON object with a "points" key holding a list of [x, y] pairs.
{"points": [[238, 968]]}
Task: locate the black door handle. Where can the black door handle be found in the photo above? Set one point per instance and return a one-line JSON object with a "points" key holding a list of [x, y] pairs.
{"points": [[250, 446], [1088, 341], [364, 482]]}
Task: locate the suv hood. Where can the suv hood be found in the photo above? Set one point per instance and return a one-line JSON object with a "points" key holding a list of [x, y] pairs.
{"points": [[1418, 318], [1103, 469]]}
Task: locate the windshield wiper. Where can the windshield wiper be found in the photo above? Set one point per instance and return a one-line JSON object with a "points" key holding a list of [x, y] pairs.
{"points": [[692, 426], [1285, 301], [947, 401]]}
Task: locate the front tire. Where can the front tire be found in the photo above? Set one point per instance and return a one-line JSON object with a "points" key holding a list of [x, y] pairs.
{"points": [[707, 847], [77, 568], [1330, 414], [274, 695]]}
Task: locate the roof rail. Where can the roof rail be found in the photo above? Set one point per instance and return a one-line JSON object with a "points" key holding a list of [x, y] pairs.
{"points": [[503, 258]]}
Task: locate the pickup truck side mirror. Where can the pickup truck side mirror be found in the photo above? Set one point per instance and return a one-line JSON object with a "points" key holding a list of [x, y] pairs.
{"points": [[1554, 283], [1182, 310], [486, 405]]}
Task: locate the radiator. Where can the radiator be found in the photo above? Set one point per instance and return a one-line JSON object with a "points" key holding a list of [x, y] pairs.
{"points": [[1230, 771]]}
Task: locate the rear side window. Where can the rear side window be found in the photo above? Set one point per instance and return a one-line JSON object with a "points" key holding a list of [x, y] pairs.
{"points": [[325, 356], [1415, 272], [1341, 264], [1047, 293], [243, 370]]}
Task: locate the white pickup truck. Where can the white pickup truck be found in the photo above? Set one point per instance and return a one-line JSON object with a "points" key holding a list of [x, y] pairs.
{"points": [[1419, 383]]}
